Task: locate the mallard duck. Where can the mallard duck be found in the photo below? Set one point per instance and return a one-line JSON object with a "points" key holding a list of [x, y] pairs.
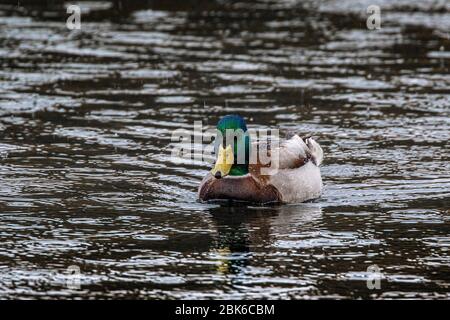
{"points": [[293, 176]]}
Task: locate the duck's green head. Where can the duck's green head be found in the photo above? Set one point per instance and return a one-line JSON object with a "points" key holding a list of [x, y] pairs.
{"points": [[232, 147]]}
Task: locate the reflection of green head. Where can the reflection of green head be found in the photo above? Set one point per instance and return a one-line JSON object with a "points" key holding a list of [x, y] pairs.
{"points": [[232, 130]]}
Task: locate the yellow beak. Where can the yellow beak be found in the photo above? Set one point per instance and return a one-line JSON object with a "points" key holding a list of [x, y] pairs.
{"points": [[224, 162]]}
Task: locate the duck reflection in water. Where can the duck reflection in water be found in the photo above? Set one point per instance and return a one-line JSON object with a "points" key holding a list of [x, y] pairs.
{"points": [[244, 233]]}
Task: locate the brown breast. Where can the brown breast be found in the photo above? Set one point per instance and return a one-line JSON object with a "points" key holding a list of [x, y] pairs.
{"points": [[244, 188]]}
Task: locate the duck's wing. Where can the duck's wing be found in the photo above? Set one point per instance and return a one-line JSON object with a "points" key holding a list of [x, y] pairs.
{"points": [[290, 154]]}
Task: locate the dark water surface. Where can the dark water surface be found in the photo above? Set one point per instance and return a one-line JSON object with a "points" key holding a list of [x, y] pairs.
{"points": [[87, 178]]}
